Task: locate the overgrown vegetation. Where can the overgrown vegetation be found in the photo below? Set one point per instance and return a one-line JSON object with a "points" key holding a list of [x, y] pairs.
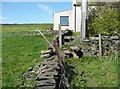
{"points": [[104, 19], [92, 72], [20, 51], [76, 33]]}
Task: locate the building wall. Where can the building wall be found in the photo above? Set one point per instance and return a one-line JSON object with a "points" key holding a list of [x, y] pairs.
{"points": [[78, 18], [74, 18], [57, 20]]}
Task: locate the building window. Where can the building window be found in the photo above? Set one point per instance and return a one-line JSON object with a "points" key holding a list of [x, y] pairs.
{"points": [[64, 20]]}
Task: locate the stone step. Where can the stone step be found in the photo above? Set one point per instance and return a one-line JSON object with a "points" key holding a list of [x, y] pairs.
{"points": [[71, 37], [67, 52], [65, 48], [73, 48]]}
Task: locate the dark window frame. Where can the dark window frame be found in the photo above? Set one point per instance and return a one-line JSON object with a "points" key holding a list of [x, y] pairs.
{"points": [[61, 23]]}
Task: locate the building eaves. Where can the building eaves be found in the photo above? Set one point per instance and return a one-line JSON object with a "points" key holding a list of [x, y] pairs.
{"points": [[62, 11]]}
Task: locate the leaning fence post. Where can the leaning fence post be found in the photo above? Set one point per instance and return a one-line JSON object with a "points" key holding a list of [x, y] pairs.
{"points": [[100, 45], [45, 38], [60, 36]]}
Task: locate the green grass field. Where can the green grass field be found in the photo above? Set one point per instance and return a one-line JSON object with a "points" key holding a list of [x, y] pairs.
{"points": [[20, 51]]}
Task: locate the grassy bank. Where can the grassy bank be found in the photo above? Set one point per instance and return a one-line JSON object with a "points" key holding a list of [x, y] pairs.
{"points": [[93, 72], [20, 51]]}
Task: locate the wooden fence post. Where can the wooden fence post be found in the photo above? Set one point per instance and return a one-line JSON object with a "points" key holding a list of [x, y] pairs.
{"points": [[60, 37], [100, 45], [45, 38]]}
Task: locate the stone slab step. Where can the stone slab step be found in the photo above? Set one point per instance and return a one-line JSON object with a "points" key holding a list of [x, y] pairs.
{"points": [[64, 48], [74, 48], [67, 52], [71, 37]]}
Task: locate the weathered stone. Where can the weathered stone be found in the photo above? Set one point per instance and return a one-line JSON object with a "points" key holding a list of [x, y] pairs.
{"points": [[46, 66], [45, 51], [86, 40], [30, 68], [48, 70], [79, 53], [93, 38], [46, 87], [67, 52], [93, 47], [68, 37], [44, 77], [50, 58], [45, 56], [48, 82], [75, 55], [114, 38], [74, 48], [33, 71], [94, 53], [72, 43], [51, 73], [52, 62], [86, 52], [68, 32], [49, 65], [64, 48], [85, 47], [71, 37]]}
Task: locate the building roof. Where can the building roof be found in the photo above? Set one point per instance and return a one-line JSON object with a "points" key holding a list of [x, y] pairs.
{"points": [[63, 11]]}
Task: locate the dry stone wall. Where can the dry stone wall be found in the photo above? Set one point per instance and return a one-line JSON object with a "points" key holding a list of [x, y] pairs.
{"points": [[91, 45], [109, 45]]}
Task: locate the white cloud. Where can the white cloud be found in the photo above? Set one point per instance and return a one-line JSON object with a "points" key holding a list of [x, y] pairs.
{"points": [[45, 8], [3, 18]]}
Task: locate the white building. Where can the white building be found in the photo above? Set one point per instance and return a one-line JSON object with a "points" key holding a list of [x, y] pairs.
{"points": [[71, 19]]}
